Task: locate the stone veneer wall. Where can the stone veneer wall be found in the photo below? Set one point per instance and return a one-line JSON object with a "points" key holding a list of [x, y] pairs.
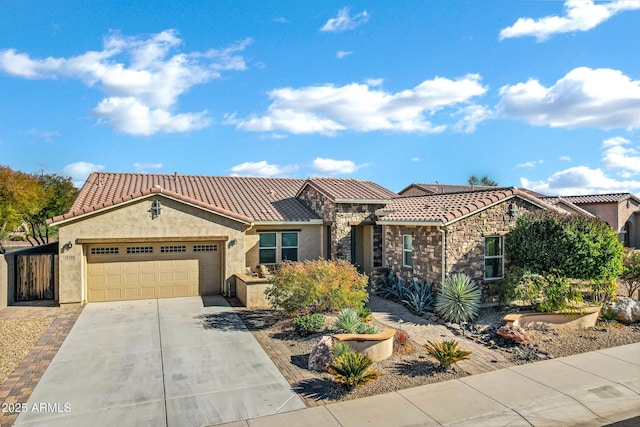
{"points": [[378, 245], [339, 215], [464, 249], [347, 213]]}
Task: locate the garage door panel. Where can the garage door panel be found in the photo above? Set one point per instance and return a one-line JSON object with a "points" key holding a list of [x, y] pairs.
{"points": [[118, 273]]}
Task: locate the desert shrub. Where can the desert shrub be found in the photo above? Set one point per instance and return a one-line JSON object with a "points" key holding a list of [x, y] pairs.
{"points": [[415, 294], [602, 291], [546, 293], [458, 299], [348, 321], [446, 352], [608, 314], [630, 278], [353, 369], [365, 314], [340, 348], [363, 328], [419, 296], [574, 246], [308, 324], [316, 286]]}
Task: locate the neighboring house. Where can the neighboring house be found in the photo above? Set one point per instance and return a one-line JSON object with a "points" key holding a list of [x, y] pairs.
{"points": [[133, 236], [566, 205], [434, 235], [421, 189], [620, 210]]}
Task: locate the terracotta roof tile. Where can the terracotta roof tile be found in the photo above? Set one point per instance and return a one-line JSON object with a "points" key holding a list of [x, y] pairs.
{"points": [[350, 189], [245, 198], [446, 188], [448, 207], [600, 198]]}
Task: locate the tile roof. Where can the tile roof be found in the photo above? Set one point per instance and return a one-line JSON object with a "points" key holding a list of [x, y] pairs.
{"points": [[445, 188], [350, 189], [247, 199], [568, 205], [449, 207], [601, 198]]}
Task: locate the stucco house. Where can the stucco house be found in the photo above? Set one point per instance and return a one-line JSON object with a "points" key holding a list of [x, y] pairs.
{"points": [[620, 210], [134, 236]]}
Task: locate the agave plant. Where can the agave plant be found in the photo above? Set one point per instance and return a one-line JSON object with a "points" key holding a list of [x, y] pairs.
{"points": [[446, 353], [458, 299], [353, 369], [390, 286], [341, 348], [348, 321], [419, 297]]}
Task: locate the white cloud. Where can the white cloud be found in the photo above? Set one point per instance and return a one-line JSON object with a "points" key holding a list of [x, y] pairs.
{"points": [[616, 156], [581, 15], [335, 167], [44, 134], [614, 141], [374, 82], [262, 169], [471, 116], [328, 109], [342, 53], [597, 98], [415, 159], [80, 171], [344, 22], [143, 167], [580, 180], [526, 165], [565, 158], [280, 20], [142, 78]]}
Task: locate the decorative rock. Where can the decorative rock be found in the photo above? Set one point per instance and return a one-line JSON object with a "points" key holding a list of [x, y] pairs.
{"points": [[321, 355], [627, 309], [514, 333]]}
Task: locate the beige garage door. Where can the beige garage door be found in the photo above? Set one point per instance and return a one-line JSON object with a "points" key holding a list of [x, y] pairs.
{"points": [[159, 270]]}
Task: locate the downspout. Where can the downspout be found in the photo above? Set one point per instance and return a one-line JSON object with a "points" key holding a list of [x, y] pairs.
{"points": [[444, 259]]}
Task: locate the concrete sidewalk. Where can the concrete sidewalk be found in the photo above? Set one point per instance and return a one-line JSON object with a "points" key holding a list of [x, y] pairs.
{"points": [[596, 388]]}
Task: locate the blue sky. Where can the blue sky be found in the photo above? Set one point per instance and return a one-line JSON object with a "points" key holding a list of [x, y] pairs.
{"points": [[542, 94]]}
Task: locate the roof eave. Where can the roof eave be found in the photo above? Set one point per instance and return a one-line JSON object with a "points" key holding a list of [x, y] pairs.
{"points": [[417, 223]]}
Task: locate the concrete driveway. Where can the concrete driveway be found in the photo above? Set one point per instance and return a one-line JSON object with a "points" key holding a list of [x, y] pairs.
{"points": [[168, 362]]}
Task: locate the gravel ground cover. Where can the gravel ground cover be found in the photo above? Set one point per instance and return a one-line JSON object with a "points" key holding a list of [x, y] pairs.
{"points": [[17, 338], [410, 370]]}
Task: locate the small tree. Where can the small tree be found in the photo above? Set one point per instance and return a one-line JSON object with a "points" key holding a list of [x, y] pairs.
{"points": [[630, 277], [318, 286], [485, 180], [573, 246]]}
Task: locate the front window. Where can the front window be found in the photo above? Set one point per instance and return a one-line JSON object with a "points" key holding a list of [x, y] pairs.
{"points": [[267, 248], [493, 257], [289, 246], [407, 251]]}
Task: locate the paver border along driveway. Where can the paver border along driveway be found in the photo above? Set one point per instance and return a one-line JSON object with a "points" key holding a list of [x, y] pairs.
{"points": [[167, 362]]}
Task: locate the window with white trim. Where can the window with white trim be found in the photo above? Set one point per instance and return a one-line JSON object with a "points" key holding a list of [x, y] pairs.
{"points": [[267, 248], [289, 246], [493, 257], [407, 250]]}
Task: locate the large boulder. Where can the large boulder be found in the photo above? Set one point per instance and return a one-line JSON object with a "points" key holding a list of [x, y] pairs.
{"points": [[514, 333], [627, 309], [321, 355]]}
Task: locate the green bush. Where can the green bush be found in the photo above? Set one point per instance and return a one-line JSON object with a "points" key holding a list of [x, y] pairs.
{"points": [[316, 286], [365, 314], [341, 348], [308, 324], [353, 369], [546, 293], [573, 246], [630, 278], [459, 298], [446, 353]]}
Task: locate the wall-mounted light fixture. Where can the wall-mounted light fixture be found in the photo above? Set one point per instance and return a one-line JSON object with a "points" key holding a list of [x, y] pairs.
{"points": [[155, 209], [513, 210], [67, 246]]}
